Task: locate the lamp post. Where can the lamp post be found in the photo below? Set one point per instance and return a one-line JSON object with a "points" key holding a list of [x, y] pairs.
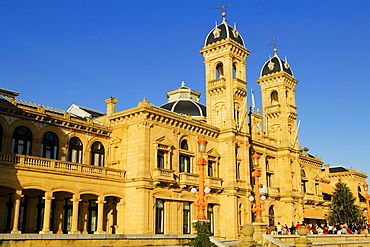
{"points": [[367, 197], [201, 202], [257, 207]]}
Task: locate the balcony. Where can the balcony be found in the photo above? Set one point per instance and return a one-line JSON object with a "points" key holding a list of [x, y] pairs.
{"points": [[213, 183], [188, 179], [163, 175], [217, 84], [273, 109], [273, 192], [37, 164]]}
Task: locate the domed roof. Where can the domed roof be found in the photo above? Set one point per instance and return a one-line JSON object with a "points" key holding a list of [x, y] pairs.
{"points": [[184, 100], [223, 31], [275, 64]]}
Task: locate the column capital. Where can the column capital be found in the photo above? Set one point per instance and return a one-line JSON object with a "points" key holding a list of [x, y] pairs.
{"points": [[17, 196], [100, 200], [48, 198]]}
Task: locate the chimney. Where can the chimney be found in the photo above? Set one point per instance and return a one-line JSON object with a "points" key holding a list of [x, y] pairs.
{"points": [[111, 105], [326, 166]]}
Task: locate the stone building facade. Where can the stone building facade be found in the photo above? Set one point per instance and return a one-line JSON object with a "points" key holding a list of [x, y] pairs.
{"points": [[132, 171]]}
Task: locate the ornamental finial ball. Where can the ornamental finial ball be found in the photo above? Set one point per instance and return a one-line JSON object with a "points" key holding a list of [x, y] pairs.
{"points": [[223, 14], [248, 230]]}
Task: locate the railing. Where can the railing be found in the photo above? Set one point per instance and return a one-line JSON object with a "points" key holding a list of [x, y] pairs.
{"points": [[273, 109], [273, 191], [217, 83], [188, 179], [212, 182], [50, 165], [163, 174]]}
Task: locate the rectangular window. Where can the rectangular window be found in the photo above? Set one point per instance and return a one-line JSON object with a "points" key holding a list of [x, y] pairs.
{"points": [[210, 216], [316, 188], [184, 163], [210, 170], [159, 216], [269, 180], [303, 186], [160, 159], [237, 170], [186, 218]]}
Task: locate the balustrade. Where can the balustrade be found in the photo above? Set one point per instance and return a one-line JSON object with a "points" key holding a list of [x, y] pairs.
{"points": [[49, 165]]}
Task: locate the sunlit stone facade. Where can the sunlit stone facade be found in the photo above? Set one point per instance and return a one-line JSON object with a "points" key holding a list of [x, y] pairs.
{"points": [[131, 171]]}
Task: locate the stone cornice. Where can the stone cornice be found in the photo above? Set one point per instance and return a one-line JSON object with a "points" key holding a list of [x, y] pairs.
{"points": [[277, 77], [64, 121], [146, 112], [224, 45], [309, 161]]}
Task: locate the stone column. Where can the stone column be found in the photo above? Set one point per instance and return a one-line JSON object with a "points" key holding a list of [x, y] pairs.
{"points": [[247, 231], [84, 213], [100, 203], [259, 229], [120, 217], [17, 205], [303, 241], [74, 228], [59, 214], [46, 224]]}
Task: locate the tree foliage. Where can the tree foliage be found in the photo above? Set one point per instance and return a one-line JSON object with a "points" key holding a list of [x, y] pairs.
{"points": [[203, 233], [343, 208]]}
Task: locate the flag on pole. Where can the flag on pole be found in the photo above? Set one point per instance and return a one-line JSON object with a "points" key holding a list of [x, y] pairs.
{"points": [[253, 103]]}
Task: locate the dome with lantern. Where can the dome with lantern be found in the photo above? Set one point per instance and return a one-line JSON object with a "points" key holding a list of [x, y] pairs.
{"points": [[223, 31], [276, 64]]}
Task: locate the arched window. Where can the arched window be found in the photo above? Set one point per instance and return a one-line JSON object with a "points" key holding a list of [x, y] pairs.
{"points": [[271, 216], [75, 150], [304, 180], [22, 140], [274, 98], [97, 154], [219, 70], [185, 165], [240, 215], [360, 196], [49, 145], [1, 137], [303, 173], [234, 70]]}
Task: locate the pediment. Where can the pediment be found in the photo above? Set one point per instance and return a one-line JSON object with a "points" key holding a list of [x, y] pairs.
{"points": [[213, 152], [163, 140], [115, 140]]}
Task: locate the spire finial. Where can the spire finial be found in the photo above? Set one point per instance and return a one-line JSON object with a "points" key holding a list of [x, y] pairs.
{"points": [[182, 84], [275, 52]]}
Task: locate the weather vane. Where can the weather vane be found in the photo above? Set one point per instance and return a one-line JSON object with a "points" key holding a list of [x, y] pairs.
{"points": [[274, 42], [225, 6]]}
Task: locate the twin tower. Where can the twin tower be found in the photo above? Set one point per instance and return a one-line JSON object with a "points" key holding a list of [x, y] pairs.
{"points": [[225, 56]]}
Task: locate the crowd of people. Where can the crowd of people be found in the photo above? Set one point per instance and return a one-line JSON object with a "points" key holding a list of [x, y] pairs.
{"points": [[344, 228]]}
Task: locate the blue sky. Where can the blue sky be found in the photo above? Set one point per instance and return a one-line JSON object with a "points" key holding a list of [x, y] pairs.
{"points": [[84, 51]]}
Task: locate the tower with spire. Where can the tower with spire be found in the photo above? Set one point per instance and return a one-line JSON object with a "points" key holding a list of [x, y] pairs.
{"points": [[225, 65], [278, 101]]}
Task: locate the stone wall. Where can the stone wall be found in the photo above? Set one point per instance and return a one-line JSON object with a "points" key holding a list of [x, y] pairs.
{"points": [[91, 240]]}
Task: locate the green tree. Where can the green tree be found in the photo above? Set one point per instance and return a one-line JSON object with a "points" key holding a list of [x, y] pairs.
{"points": [[343, 208], [203, 233]]}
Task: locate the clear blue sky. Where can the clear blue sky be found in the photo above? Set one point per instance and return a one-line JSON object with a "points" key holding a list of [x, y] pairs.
{"points": [[83, 51]]}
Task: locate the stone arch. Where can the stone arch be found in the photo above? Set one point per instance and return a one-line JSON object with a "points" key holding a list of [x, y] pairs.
{"points": [[219, 69]]}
